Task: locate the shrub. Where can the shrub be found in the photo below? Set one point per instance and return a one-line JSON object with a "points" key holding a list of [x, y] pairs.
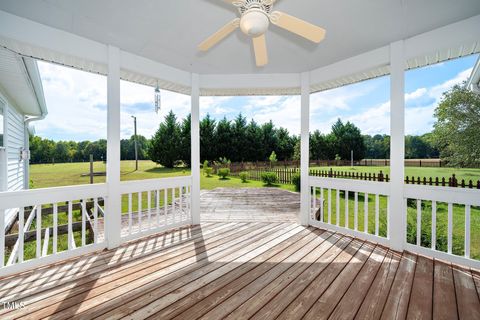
{"points": [[296, 181], [223, 173], [269, 178], [206, 169], [244, 176]]}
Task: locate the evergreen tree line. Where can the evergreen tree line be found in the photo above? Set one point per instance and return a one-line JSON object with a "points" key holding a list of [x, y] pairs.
{"points": [[49, 151], [242, 140], [237, 140]]}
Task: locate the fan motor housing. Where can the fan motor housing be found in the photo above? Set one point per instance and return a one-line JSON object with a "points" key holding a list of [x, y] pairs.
{"points": [[254, 22]]}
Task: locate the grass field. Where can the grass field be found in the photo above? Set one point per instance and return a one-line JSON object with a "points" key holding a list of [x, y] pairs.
{"points": [[66, 174]]}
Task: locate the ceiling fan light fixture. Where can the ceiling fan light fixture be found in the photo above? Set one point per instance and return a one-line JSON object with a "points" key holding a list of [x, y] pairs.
{"points": [[254, 22]]}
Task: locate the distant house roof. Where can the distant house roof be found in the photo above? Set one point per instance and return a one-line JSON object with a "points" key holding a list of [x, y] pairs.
{"points": [[20, 81], [474, 81]]}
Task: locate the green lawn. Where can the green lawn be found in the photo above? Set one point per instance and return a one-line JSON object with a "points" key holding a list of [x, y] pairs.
{"points": [[66, 174]]}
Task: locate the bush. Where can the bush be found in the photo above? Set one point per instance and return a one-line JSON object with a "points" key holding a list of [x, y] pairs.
{"points": [[244, 176], [223, 173], [269, 178], [206, 169], [296, 181]]}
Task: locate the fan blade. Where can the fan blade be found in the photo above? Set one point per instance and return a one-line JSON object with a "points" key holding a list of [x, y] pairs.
{"points": [[219, 35], [236, 3], [260, 48], [298, 26]]}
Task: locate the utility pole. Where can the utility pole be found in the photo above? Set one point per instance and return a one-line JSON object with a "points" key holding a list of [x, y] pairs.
{"points": [[135, 140]]}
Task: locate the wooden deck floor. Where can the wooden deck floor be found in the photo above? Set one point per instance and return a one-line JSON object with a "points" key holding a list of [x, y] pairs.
{"points": [[246, 271], [249, 205]]}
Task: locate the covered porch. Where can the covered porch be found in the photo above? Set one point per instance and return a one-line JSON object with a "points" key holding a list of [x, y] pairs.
{"points": [[344, 256]]}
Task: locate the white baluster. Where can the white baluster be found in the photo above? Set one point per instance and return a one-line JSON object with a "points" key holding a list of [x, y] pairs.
{"points": [[467, 231], [434, 225], [355, 211], [95, 220], [450, 226], [377, 214], [419, 222], [84, 229], [70, 231], [129, 213], [157, 206], [39, 231], [139, 207], [365, 213], [165, 203], [346, 209], [174, 212], [322, 218], [149, 205], [338, 207], [329, 206], [55, 228]]}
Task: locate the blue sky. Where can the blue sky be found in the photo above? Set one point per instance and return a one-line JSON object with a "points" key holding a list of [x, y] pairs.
{"points": [[76, 102]]}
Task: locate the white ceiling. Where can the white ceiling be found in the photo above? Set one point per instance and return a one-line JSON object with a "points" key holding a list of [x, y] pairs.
{"points": [[169, 31]]}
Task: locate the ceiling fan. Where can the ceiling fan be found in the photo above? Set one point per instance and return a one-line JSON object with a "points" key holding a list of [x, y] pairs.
{"points": [[255, 17]]}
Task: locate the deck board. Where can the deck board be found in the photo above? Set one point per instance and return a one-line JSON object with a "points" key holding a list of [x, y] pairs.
{"points": [[241, 270], [444, 298]]}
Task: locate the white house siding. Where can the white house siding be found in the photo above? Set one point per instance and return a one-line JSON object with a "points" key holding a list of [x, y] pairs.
{"points": [[15, 143]]}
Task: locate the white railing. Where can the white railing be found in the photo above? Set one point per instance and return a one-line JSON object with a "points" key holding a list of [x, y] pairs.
{"points": [[150, 206], [439, 223], [58, 223], [54, 217], [360, 208]]}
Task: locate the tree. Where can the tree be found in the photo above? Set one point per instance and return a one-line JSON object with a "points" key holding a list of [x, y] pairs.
{"points": [[224, 139], [457, 127], [318, 146], [253, 142], [285, 144], [347, 138], [239, 142], [377, 147], [273, 159], [185, 140], [165, 147], [269, 139], [207, 138]]}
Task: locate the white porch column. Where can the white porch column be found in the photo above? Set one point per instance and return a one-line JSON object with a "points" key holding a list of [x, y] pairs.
{"points": [[195, 149], [114, 203], [305, 149], [397, 219]]}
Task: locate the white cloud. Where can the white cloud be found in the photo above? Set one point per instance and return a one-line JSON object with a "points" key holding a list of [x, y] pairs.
{"points": [[77, 100], [420, 92]]}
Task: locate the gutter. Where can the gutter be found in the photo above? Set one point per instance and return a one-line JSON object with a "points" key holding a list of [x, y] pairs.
{"points": [[35, 82], [474, 80]]}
